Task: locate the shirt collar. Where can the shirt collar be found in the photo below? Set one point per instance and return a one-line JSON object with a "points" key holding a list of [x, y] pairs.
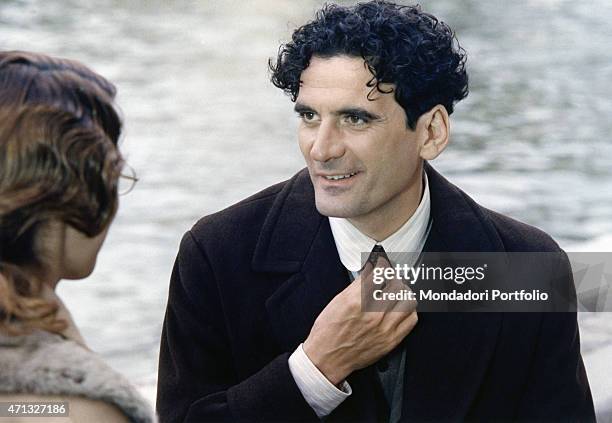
{"points": [[411, 237]]}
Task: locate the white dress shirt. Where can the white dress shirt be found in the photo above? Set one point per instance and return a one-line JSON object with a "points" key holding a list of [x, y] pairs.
{"points": [[317, 390]]}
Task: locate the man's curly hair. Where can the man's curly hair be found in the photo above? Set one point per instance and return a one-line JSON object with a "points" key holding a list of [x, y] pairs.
{"points": [[401, 45]]}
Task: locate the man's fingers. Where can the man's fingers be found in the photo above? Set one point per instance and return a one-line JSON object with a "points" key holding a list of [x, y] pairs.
{"points": [[405, 297], [369, 266], [383, 261], [406, 325], [366, 272]]}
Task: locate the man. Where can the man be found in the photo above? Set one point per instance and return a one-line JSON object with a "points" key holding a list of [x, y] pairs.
{"points": [[263, 322]]}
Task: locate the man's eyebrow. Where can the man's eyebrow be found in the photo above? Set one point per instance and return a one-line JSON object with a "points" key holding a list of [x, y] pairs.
{"points": [[302, 108], [354, 111], [357, 111]]}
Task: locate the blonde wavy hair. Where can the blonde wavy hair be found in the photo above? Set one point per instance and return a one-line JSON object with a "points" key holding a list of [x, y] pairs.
{"points": [[59, 160]]}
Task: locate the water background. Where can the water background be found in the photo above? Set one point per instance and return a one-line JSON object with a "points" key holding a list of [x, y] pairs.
{"points": [[205, 128]]}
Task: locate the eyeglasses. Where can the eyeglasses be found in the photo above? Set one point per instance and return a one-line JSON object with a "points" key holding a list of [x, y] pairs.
{"points": [[127, 180]]}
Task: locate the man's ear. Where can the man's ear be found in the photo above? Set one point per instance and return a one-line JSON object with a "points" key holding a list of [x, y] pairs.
{"points": [[434, 126]]}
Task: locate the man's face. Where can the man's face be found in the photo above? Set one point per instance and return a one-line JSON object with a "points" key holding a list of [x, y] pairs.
{"points": [[363, 160]]}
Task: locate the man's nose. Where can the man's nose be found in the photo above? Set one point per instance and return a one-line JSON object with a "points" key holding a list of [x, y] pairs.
{"points": [[328, 144]]}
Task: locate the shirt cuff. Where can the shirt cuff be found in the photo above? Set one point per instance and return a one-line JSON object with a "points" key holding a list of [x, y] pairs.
{"points": [[317, 390]]}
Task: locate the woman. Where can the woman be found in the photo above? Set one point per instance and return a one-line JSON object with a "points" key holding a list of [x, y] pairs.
{"points": [[59, 172]]}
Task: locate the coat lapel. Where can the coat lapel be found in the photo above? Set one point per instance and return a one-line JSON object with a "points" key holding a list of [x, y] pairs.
{"points": [[447, 353], [297, 240]]}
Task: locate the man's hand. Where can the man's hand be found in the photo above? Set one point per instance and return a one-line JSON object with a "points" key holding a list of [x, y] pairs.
{"points": [[344, 338]]}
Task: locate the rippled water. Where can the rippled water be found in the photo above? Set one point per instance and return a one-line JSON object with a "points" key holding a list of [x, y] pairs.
{"points": [[205, 128]]}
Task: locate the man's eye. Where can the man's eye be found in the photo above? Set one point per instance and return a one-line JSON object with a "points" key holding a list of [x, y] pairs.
{"points": [[307, 116], [356, 120]]}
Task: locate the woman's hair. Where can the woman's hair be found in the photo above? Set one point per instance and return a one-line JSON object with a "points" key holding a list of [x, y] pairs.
{"points": [[59, 161], [401, 45]]}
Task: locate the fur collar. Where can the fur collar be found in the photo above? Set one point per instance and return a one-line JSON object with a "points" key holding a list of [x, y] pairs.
{"points": [[43, 363]]}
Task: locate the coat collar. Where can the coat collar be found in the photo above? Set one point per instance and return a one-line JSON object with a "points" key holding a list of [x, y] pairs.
{"points": [[297, 240], [291, 226], [459, 223]]}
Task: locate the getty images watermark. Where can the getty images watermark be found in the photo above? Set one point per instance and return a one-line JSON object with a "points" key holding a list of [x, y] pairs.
{"points": [[487, 282], [459, 275]]}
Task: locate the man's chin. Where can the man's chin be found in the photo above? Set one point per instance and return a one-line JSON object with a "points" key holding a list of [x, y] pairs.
{"points": [[334, 210]]}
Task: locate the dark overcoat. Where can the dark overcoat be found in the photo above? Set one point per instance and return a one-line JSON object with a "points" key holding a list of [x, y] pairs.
{"points": [[249, 282]]}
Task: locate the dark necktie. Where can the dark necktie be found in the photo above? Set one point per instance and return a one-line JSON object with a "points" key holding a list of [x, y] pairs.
{"points": [[390, 369]]}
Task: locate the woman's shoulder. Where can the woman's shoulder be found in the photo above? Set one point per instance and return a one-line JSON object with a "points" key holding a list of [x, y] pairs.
{"points": [[79, 409], [47, 364]]}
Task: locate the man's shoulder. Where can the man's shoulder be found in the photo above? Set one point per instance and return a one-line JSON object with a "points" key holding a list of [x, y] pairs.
{"points": [[241, 222], [471, 226], [245, 208], [518, 236], [248, 212]]}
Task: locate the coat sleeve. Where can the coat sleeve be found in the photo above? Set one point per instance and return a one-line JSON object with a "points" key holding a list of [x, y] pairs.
{"points": [[197, 381], [558, 388]]}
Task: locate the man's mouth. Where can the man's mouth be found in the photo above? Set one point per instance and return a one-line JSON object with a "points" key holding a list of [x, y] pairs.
{"points": [[339, 177]]}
